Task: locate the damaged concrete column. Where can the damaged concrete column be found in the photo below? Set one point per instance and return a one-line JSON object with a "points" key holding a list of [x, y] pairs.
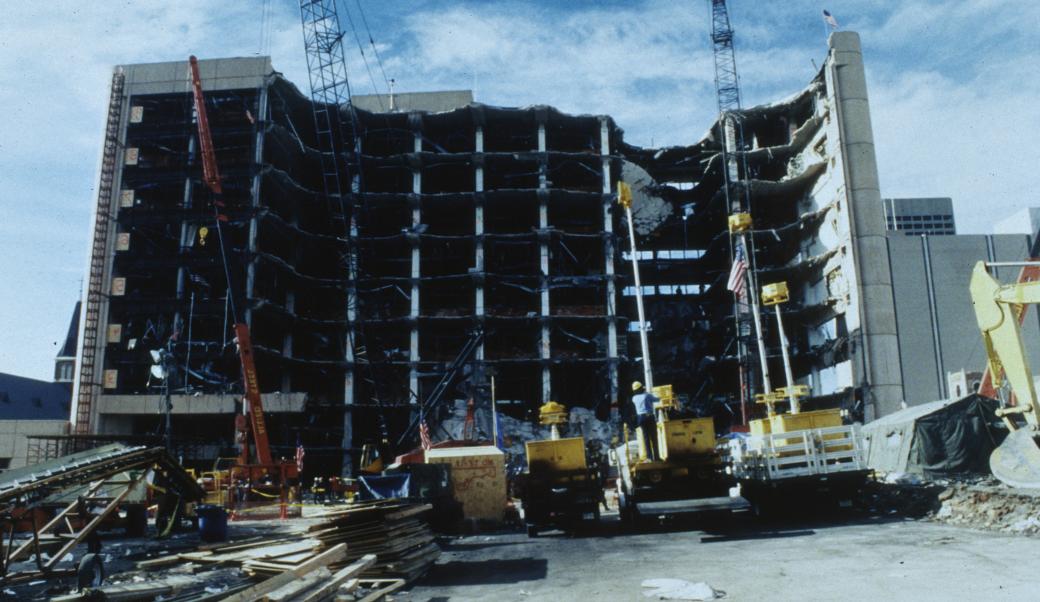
{"points": [[254, 224], [608, 267], [478, 230], [878, 354], [349, 374], [543, 253], [413, 347]]}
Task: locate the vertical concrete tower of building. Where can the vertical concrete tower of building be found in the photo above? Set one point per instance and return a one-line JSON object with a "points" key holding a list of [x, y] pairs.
{"points": [[876, 348]]}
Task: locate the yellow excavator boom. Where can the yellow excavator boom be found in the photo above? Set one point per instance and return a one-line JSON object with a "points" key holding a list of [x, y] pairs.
{"points": [[997, 309]]}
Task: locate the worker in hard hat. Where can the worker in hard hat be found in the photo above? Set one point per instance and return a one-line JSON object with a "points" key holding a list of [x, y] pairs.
{"points": [[644, 401]]}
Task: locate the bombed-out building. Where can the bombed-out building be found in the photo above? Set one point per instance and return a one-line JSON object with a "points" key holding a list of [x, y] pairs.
{"points": [[467, 223]]}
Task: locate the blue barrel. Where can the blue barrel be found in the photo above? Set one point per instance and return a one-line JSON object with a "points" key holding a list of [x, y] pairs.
{"points": [[212, 522]]}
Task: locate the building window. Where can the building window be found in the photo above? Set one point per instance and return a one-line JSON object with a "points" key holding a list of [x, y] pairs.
{"points": [[5, 463]]}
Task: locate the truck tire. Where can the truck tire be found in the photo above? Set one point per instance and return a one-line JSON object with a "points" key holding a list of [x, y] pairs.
{"points": [[90, 572], [532, 530]]}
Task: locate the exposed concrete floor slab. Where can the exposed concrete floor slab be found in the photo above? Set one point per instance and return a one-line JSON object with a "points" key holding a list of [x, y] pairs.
{"points": [[866, 558]]}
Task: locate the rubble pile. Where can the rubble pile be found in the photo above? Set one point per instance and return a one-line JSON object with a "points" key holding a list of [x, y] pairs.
{"points": [[992, 507], [917, 500]]}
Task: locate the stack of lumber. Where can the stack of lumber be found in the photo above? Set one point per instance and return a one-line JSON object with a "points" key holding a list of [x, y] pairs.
{"points": [[288, 552], [365, 550], [393, 531]]}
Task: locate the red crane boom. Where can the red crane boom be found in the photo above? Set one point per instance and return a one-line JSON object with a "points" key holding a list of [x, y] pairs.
{"points": [[211, 176]]}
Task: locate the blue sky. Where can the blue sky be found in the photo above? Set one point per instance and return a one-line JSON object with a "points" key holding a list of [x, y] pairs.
{"points": [[953, 88]]}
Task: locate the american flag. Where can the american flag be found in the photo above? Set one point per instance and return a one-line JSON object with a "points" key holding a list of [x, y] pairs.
{"points": [[738, 273], [829, 19], [299, 455], [424, 435]]}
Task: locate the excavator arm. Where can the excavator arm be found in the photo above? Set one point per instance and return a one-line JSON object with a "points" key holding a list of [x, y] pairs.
{"points": [[998, 308]]}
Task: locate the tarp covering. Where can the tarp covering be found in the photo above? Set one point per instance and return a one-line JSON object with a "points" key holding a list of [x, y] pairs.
{"points": [[384, 487], [937, 438]]}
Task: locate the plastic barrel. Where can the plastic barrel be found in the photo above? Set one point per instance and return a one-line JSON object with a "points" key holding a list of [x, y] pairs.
{"points": [[212, 523]]}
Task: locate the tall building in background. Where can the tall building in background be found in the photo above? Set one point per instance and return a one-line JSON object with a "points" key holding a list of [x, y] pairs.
{"points": [[929, 215], [938, 333], [1024, 221]]}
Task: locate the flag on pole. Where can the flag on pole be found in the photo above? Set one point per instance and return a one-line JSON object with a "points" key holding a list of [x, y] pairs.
{"points": [[738, 273], [500, 442], [424, 435], [829, 19], [299, 454]]}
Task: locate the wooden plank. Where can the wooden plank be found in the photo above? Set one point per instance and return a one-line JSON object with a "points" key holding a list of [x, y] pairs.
{"points": [[386, 586], [350, 585], [269, 585], [128, 592], [159, 562], [299, 586], [340, 577], [416, 509]]}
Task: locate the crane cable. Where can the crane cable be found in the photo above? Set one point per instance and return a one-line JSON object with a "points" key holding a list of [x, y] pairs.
{"points": [[266, 28], [368, 68], [372, 42]]}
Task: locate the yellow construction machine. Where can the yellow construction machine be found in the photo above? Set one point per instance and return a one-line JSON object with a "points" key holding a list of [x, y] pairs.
{"points": [[998, 309], [561, 488], [795, 456], [689, 467]]}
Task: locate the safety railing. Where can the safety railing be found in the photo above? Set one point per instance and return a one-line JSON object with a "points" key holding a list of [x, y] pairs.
{"points": [[802, 453]]}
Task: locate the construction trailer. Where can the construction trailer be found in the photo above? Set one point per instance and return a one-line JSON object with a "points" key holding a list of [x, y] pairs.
{"points": [[467, 214]]}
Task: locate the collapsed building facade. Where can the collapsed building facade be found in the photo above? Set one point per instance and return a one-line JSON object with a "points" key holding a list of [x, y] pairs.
{"points": [[475, 218], [810, 178]]}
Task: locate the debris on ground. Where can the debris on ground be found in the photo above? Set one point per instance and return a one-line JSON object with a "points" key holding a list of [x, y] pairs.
{"points": [[989, 506], [893, 499], [361, 551], [680, 589], [976, 502]]}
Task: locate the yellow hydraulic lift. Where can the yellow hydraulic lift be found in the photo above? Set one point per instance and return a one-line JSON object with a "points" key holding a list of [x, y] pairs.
{"points": [[689, 467], [795, 452]]}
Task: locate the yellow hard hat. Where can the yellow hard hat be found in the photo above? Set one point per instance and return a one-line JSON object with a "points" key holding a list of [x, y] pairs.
{"points": [[636, 385]]}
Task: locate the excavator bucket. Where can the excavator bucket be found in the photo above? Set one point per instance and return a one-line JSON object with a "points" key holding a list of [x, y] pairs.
{"points": [[1017, 461]]}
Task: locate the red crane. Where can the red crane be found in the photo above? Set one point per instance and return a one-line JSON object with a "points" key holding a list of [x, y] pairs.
{"points": [[255, 425]]}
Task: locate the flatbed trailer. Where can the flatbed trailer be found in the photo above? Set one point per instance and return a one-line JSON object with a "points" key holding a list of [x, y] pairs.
{"points": [[815, 464]]}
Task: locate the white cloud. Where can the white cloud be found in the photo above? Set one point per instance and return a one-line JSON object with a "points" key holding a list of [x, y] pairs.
{"points": [[971, 141]]}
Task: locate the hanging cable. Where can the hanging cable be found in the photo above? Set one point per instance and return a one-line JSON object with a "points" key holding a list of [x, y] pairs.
{"points": [[265, 26], [372, 42], [187, 355], [227, 301], [368, 68]]}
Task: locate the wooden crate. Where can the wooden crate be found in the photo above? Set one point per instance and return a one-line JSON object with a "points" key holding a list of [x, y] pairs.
{"points": [[478, 478]]}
